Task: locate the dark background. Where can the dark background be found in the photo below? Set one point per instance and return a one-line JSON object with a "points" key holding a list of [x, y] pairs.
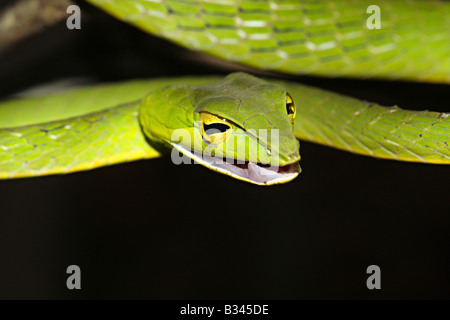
{"points": [[151, 229]]}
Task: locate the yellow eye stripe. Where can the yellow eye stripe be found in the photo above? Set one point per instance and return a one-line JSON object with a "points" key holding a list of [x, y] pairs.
{"points": [[290, 107], [214, 129]]}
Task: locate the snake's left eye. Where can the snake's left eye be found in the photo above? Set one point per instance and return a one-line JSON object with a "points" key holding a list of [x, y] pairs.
{"points": [[290, 107], [214, 129]]}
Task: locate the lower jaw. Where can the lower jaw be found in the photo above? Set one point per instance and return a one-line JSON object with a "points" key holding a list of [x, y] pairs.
{"points": [[256, 173]]}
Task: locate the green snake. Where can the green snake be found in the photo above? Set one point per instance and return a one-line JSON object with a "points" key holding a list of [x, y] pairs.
{"points": [[255, 122]]}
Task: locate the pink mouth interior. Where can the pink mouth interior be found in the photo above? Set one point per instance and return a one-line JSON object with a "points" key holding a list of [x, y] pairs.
{"points": [[259, 173]]}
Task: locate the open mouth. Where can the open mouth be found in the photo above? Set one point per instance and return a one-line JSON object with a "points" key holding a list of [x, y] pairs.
{"points": [[257, 173]]}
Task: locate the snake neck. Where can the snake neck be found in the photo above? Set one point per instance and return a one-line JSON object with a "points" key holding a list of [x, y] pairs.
{"points": [[163, 111]]}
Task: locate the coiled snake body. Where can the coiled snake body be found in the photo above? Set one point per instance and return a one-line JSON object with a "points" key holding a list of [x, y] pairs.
{"points": [[106, 124]]}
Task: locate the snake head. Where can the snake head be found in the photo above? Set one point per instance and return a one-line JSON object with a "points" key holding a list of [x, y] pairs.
{"points": [[240, 126]]}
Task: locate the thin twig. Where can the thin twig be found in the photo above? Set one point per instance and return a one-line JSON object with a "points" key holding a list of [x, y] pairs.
{"points": [[27, 17]]}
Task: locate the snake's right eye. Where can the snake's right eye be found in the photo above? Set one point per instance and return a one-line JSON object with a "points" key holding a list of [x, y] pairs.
{"points": [[214, 129]]}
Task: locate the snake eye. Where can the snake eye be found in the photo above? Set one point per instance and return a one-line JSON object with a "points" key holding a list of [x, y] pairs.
{"points": [[214, 129], [290, 107]]}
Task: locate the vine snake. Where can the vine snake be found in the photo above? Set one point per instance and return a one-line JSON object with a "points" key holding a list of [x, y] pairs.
{"points": [[106, 124]]}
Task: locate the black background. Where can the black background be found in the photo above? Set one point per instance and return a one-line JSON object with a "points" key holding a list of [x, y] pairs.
{"points": [[151, 229]]}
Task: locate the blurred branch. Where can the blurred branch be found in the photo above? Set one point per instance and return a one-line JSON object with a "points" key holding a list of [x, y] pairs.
{"points": [[27, 17]]}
